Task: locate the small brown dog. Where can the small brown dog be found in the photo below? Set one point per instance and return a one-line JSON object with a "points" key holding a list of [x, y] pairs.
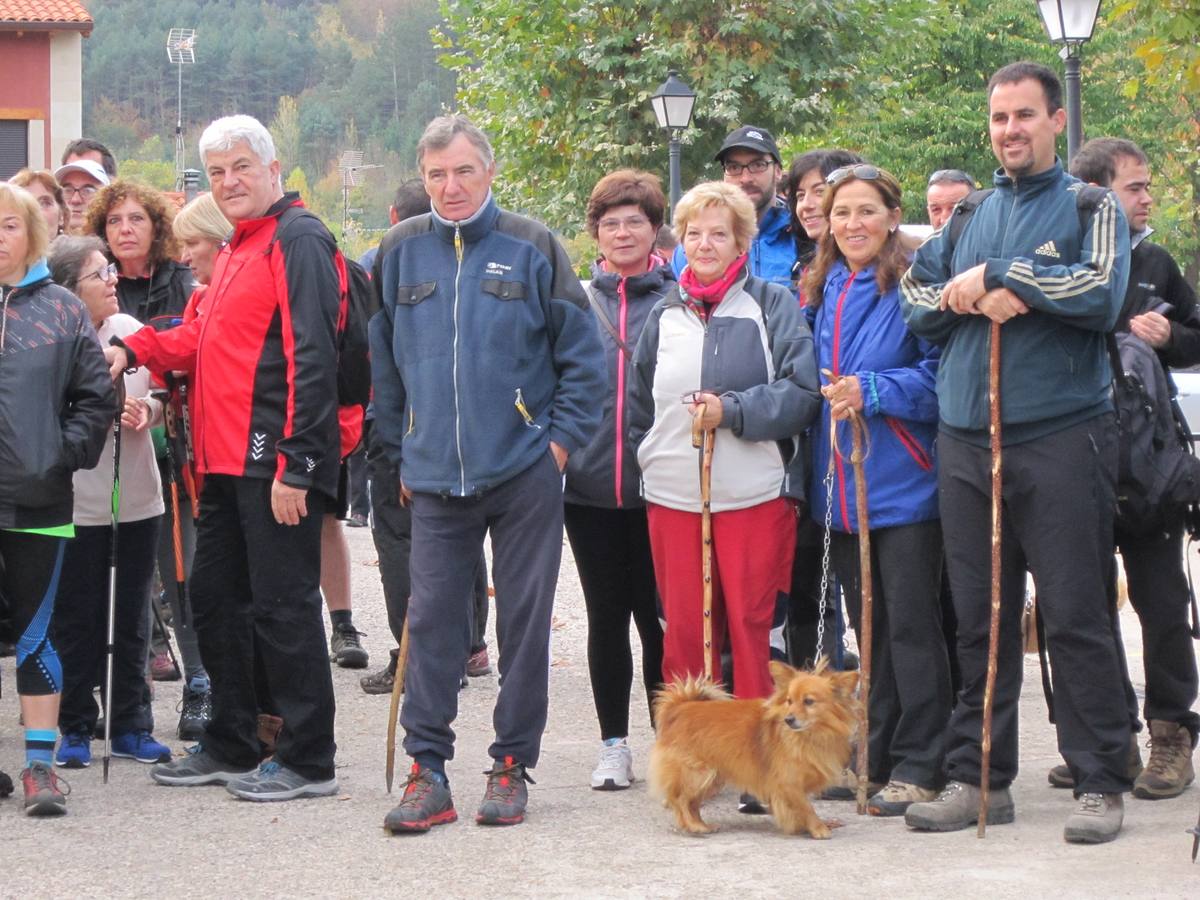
{"points": [[781, 749]]}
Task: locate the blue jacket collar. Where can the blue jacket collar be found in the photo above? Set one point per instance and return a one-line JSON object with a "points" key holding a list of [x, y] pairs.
{"points": [[775, 220], [473, 229], [1030, 183]]}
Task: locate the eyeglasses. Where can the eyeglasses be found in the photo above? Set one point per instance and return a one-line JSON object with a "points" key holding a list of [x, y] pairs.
{"points": [[861, 171], [756, 167], [629, 223], [107, 274], [87, 192]]}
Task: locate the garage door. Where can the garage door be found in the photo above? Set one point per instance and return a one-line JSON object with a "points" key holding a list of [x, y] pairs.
{"points": [[14, 147]]}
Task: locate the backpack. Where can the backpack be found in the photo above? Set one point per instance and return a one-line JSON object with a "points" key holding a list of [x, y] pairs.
{"points": [[356, 306]]}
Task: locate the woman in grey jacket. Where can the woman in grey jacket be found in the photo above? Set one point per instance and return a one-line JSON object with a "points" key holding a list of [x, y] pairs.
{"points": [[604, 515], [739, 354], [56, 403]]}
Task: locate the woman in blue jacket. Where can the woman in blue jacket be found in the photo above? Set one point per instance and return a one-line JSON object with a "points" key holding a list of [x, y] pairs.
{"points": [[883, 373]]}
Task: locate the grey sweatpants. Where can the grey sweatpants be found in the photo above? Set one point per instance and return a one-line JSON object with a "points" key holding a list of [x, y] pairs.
{"points": [[525, 518]]}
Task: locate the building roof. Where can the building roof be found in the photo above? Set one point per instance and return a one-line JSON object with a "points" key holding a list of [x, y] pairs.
{"points": [[45, 14]]}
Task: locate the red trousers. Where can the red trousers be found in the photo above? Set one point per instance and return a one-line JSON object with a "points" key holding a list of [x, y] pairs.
{"points": [[752, 566]]}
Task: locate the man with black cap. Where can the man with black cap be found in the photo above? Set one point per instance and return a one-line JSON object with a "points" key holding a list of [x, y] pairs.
{"points": [[750, 159]]}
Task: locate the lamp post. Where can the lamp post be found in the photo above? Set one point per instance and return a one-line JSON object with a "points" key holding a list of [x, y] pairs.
{"points": [[1070, 23], [673, 103]]}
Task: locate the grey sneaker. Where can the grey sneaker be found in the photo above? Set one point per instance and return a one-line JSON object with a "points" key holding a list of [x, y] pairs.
{"points": [[1097, 820], [195, 768], [346, 649], [506, 796], [957, 807], [426, 803], [272, 781], [897, 796], [43, 791]]}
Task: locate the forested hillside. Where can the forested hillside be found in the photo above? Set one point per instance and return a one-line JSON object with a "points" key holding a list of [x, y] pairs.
{"points": [[326, 76]]}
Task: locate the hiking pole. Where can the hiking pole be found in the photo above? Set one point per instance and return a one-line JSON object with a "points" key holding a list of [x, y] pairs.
{"points": [[394, 712], [703, 439], [176, 525], [857, 457], [119, 385], [989, 689]]}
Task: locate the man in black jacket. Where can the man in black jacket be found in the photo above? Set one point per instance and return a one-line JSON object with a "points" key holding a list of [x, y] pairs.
{"points": [[1160, 308]]}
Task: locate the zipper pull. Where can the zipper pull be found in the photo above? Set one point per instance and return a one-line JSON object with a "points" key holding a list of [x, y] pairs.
{"points": [[519, 403], [458, 244]]}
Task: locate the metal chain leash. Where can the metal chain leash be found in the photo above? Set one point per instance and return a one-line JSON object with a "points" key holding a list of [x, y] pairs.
{"points": [[825, 552]]}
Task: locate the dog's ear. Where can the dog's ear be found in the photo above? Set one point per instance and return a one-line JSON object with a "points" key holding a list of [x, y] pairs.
{"points": [[845, 683], [781, 673]]}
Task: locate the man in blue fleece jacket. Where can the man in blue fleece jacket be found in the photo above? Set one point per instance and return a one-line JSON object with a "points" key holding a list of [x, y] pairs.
{"points": [[488, 372], [1053, 276]]}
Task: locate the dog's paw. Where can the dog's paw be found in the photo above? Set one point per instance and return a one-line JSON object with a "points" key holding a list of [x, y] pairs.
{"points": [[820, 831]]}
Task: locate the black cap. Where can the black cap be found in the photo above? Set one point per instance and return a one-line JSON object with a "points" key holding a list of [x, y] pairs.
{"points": [[752, 138]]}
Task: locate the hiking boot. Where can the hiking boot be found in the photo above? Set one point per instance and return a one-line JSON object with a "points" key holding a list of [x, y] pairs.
{"points": [[162, 669], [380, 682], [195, 768], [478, 663], [505, 797], [614, 772], [6, 785], [43, 796], [957, 807], [195, 714], [74, 751], [898, 796], [273, 781], [269, 727], [346, 649], [749, 805], [426, 802], [1060, 776], [1097, 820], [1169, 770], [142, 746], [845, 787]]}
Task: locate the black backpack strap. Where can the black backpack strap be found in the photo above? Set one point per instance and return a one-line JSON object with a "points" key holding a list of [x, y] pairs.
{"points": [[963, 211], [605, 321]]}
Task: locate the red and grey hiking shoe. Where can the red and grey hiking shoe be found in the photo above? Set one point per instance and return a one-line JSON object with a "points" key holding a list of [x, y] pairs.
{"points": [[426, 802], [43, 795], [506, 796]]}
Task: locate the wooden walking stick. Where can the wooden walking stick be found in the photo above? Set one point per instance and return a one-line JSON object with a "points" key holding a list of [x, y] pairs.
{"points": [[857, 456], [394, 712], [989, 689], [703, 439]]}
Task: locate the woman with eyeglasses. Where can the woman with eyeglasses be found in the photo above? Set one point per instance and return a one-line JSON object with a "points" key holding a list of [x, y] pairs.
{"points": [[604, 513], [731, 353], [41, 183], [79, 264], [56, 406], [884, 376], [134, 221]]}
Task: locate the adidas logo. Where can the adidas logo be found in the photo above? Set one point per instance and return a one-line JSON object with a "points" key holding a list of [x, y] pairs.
{"points": [[1047, 249]]}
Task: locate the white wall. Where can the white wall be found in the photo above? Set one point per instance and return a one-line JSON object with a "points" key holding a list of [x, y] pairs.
{"points": [[66, 93]]}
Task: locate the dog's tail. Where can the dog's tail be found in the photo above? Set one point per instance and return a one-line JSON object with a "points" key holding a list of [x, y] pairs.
{"points": [[684, 690]]}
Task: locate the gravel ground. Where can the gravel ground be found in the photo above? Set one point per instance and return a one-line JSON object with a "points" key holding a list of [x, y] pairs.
{"points": [[137, 839]]}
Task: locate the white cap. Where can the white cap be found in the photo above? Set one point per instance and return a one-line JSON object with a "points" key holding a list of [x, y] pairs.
{"points": [[88, 167]]}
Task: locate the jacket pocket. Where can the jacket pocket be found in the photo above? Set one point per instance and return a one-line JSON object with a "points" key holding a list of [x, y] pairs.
{"points": [[412, 294], [503, 290], [920, 456]]}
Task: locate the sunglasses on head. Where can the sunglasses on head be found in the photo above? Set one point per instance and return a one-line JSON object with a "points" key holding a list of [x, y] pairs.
{"points": [[861, 171]]}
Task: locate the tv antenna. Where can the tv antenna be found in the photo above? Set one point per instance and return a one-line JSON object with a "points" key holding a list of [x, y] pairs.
{"points": [[351, 165], [181, 51]]}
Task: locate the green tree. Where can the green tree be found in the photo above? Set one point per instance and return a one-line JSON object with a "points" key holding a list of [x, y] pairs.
{"points": [[563, 88], [285, 130]]}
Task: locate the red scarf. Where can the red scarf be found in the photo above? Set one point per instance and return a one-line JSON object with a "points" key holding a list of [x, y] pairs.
{"points": [[712, 294]]}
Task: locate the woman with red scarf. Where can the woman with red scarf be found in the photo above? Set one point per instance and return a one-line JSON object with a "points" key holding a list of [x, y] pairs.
{"points": [[735, 352]]}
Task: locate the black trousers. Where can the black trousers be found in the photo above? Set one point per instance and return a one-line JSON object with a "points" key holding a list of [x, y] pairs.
{"points": [[612, 553], [909, 704], [1158, 591], [391, 530], [1058, 496], [81, 625], [30, 568], [256, 593]]}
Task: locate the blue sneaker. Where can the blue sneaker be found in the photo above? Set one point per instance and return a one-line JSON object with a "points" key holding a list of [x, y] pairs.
{"points": [[142, 746], [74, 751]]}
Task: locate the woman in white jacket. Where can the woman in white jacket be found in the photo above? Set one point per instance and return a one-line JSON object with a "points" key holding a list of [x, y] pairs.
{"points": [[81, 621]]}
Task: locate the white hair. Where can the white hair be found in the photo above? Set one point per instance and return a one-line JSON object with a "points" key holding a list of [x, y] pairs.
{"points": [[222, 134]]}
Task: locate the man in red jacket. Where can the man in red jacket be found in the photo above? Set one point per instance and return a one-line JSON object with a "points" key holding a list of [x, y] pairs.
{"points": [[264, 357]]}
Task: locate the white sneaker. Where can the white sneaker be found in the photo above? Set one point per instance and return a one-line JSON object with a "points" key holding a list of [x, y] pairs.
{"points": [[614, 772]]}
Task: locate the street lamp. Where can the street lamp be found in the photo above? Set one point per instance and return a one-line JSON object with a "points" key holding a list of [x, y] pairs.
{"points": [[673, 103], [1070, 23]]}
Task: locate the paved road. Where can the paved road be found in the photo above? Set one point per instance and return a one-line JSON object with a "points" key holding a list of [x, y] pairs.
{"points": [[134, 839]]}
